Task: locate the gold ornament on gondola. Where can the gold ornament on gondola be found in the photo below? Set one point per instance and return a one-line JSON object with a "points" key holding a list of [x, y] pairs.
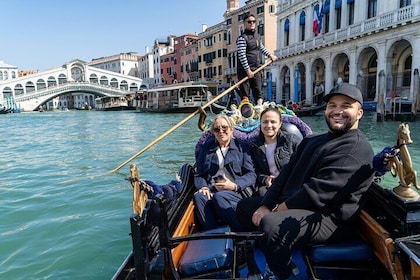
{"points": [[402, 166]]}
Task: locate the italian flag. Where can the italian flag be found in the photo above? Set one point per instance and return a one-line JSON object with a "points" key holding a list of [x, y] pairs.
{"points": [[315, 26]]}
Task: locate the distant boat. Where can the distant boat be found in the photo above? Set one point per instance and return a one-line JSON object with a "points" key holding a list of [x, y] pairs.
{"points": [[4, 110], [369, 105], [176, 98], [111, 103], [307, 111]]}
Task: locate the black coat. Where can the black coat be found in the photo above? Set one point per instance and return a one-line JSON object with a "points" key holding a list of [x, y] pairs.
{"points": [[286, 145]]}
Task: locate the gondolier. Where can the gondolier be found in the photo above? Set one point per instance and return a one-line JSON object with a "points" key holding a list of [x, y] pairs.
{"points": [[249, 47]]}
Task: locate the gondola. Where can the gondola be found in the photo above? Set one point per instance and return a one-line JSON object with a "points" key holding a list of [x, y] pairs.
{"points": [[307, 111], [5, 110], [168, 244]]}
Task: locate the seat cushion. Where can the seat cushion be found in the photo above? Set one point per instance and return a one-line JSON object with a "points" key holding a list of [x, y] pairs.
{"points": [[204, 255], [354, 250]]}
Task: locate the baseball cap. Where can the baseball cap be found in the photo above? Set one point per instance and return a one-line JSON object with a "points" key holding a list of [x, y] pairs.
{"points": [[346, 89]]}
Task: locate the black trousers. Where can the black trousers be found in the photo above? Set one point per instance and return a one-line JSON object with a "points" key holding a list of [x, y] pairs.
{"points": [[291, 229], [254, 85]]}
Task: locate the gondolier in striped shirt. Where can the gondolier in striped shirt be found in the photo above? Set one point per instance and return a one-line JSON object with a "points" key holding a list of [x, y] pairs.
{"points": [[249, 47]]}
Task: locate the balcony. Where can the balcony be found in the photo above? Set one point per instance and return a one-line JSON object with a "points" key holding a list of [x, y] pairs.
{"points": [[403, 16]]}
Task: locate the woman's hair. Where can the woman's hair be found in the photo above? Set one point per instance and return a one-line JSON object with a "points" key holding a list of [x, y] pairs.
{"points": [[226, 118], [270, 109]]}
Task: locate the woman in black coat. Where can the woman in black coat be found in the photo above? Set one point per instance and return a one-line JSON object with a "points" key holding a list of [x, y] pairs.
{"points": [[272, 149]]}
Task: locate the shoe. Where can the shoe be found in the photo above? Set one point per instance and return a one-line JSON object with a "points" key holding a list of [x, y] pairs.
{"points": [[269, 275]]}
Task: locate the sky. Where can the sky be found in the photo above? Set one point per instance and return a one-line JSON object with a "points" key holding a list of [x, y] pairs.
{"points": [[42, 34]]}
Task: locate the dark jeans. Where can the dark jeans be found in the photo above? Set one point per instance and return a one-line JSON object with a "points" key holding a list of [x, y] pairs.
{"points": [[218, 211], [290, 229], [254, 85]]}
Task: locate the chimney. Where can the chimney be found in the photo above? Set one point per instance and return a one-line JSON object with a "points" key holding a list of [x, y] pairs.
{"points": [[232, 5]]}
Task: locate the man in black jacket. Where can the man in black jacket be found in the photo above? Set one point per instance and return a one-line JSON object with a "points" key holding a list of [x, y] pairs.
{"points": [[249, 47], [317, 196]]}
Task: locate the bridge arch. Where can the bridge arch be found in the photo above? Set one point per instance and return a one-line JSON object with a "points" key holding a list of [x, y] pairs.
{"points": [[33, 90]]}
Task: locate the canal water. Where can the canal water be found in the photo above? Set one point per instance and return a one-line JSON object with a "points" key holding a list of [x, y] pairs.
{"points": [[64, 216]]}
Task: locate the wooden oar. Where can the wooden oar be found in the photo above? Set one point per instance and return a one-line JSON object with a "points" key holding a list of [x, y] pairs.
{"points": [[188, 118]]}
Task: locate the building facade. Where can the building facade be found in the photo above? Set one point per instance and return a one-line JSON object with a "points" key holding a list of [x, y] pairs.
{"points": [[123, 63], [186, 58], [373, 44], [146, 73], [212, 54], [7, 71]]}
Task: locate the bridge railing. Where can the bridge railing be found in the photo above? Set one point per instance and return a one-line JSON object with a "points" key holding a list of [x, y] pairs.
{"points": [[71, 87]]}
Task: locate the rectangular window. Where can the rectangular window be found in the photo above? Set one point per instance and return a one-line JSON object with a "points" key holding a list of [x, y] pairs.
{"points": [[350, 9], [302, 32], [261, 29], [338, 18], [372, 8], [405, 3]]}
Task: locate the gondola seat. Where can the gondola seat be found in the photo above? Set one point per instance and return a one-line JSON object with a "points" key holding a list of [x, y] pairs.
{"points": [[344, 260], [206, 256], [354, 259]]}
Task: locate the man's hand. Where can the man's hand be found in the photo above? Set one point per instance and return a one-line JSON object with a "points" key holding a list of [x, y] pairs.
{"points": [[273, 57], [249, 73], [259, 214], [269, 180]]}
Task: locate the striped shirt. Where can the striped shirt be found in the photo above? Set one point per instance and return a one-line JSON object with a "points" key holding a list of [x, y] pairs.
{"points": [[241, 45]]}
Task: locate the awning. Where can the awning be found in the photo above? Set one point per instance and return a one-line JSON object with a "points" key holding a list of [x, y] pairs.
{"points": [[286, 25], [302, 19], [326, 7], [337, 4]]}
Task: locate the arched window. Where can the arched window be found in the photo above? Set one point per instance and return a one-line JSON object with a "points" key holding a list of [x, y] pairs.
{"points": [[286, 32], [302, 26], [407, 72]]}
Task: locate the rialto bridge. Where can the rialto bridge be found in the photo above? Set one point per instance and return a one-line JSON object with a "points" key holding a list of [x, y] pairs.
{"points": [[75, 84]]}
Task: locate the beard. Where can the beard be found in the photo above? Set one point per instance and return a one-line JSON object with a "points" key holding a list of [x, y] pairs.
{"points": [[348, 124]]}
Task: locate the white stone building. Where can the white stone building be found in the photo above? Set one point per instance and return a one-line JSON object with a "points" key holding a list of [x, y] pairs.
{"points": [[7, 71], [372, 43], [123, 63]]}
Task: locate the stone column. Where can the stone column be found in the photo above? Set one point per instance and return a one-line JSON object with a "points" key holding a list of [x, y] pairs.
{"points": [[380, 113], [416, 91], [309, 83]]}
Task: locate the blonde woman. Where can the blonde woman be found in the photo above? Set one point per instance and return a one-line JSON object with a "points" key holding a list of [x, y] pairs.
{"points": [[225, 174]]}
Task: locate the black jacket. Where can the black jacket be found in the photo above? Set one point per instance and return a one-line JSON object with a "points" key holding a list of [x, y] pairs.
{"points": [[328, 173], [286, 145]]}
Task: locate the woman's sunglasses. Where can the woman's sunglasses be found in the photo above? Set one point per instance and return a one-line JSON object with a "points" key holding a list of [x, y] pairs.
{"points": [[220, 128]]}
